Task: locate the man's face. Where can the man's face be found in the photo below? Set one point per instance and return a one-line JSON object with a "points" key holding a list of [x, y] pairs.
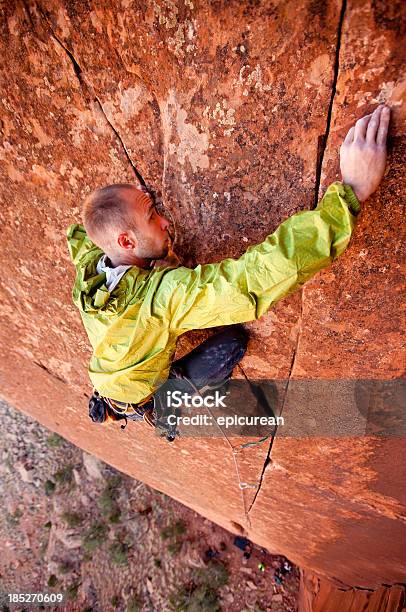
{"points": [[153, 237]]}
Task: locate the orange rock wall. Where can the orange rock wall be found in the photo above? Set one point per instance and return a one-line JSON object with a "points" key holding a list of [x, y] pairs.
{"points": [[233, 113]]}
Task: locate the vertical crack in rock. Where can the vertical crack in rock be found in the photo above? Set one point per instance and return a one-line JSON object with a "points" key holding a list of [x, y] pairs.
{"points": [[266, 463], [292, 363], [76, 68], [322, 141], [137, 174], [88, 88]]}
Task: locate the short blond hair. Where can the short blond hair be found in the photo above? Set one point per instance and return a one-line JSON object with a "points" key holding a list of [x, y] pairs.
{"points": [[105, 213]]}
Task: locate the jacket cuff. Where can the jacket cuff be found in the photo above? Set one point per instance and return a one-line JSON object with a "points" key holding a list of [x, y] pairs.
{"points": [[352, 200]]}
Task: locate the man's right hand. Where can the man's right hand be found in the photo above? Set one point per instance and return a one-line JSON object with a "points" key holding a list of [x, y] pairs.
{"points": [[363, 153]]}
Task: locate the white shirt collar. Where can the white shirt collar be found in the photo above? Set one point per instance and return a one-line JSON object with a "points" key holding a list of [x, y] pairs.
{"points": [[113, 275]]}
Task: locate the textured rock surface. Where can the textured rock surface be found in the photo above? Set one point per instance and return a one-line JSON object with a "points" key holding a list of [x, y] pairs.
{"points": [[222, 108], [317, 595], [350, 328]]}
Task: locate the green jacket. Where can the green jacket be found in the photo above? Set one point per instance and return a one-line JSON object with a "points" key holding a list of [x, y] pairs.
{"points": [[133, 330]]}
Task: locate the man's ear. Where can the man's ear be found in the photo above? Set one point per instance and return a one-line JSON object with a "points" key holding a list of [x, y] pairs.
{"points": [[127, 242]]}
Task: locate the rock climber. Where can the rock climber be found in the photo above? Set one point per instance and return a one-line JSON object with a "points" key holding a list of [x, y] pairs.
{"points": [[134, 303]]}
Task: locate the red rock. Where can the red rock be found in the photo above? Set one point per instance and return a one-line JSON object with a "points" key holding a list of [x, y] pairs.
{"points": [[339, 502], [316, 595], [220, 108]]}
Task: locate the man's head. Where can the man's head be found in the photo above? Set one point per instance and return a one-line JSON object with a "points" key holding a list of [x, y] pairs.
{"points": [[122, 220]]}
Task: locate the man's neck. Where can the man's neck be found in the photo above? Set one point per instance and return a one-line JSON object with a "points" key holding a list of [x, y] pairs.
{"points": [[140, 262]]}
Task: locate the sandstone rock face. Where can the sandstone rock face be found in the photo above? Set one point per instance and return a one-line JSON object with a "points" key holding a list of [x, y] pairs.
{"points": [[316, 595], [232, 113], [350, 328]]}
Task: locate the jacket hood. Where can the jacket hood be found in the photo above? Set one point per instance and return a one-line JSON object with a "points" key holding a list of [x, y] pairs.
{"points": [[79, 243], [90, 293]]}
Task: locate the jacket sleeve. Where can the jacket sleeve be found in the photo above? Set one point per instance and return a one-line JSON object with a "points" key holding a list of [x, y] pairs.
{"points": [[240, 290]]}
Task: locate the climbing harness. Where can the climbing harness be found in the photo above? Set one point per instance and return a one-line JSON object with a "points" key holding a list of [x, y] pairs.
{"points": [[152, 411], [102, 408], [149, 410]]}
